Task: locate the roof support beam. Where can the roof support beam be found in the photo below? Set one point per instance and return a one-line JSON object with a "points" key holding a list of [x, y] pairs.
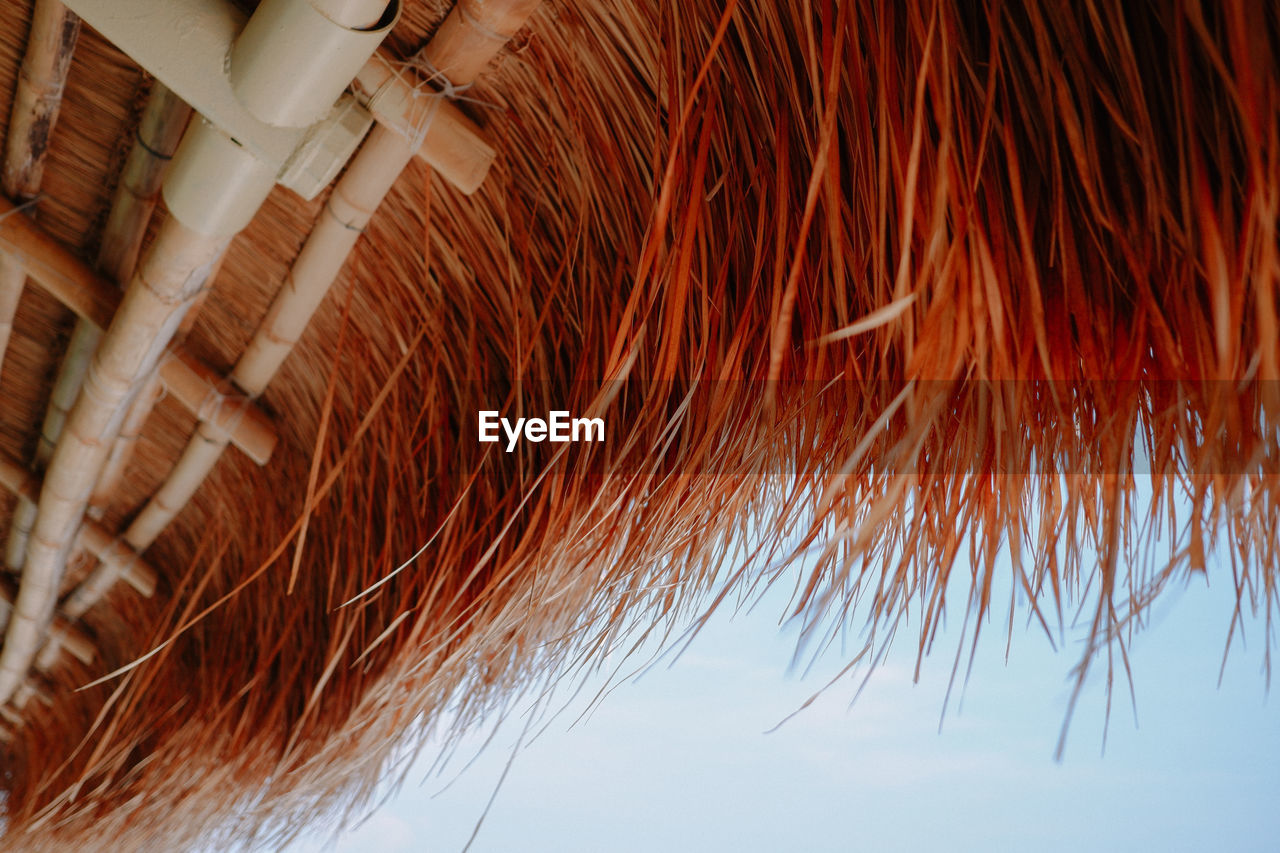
{"points": [[96, 299], [370, 176], [366, 182], [221, 185]]}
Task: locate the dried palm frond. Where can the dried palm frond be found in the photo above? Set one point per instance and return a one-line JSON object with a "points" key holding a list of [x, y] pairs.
{"points": [[913, 284]]}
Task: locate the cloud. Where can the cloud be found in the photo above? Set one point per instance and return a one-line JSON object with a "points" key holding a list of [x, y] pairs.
{"points": [[384, 832]]}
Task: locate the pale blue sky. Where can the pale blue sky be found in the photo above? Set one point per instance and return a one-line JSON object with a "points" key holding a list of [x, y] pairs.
{"points": [[677, 760]]}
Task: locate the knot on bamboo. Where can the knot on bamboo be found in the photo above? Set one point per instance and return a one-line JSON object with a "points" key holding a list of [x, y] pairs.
{"points": [[220, 412], [444, 86]]}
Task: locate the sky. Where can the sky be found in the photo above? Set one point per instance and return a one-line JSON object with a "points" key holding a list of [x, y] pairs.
{"points": [[688, 756]]}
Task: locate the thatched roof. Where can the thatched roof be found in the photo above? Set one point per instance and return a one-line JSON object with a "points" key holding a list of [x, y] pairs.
{"points": [[917, 282]]}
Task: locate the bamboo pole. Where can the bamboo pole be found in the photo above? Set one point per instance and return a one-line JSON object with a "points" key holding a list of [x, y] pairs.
{"points": [[38, 95], [84, 339], [64, 634], [56, 268], [33, 689], [125, 445], [471, 35], [197, 460], [368, 178], [92, 297], [159, 133], [36, 101], [22, 696], [24, 515]]}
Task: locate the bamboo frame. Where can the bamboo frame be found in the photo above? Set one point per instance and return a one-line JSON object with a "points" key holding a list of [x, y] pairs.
{"points": [[122, 561], [230, 185], [95, 299], [69, 635], [159, 293], [368, 179], [366, 182], [96, 539], [351, 204]]}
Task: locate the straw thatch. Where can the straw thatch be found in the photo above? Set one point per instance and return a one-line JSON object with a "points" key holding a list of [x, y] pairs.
{"points": [[912, 282]]}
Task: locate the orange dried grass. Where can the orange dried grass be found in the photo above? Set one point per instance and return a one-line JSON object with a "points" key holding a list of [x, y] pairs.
{"points": [[914, 281]]}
